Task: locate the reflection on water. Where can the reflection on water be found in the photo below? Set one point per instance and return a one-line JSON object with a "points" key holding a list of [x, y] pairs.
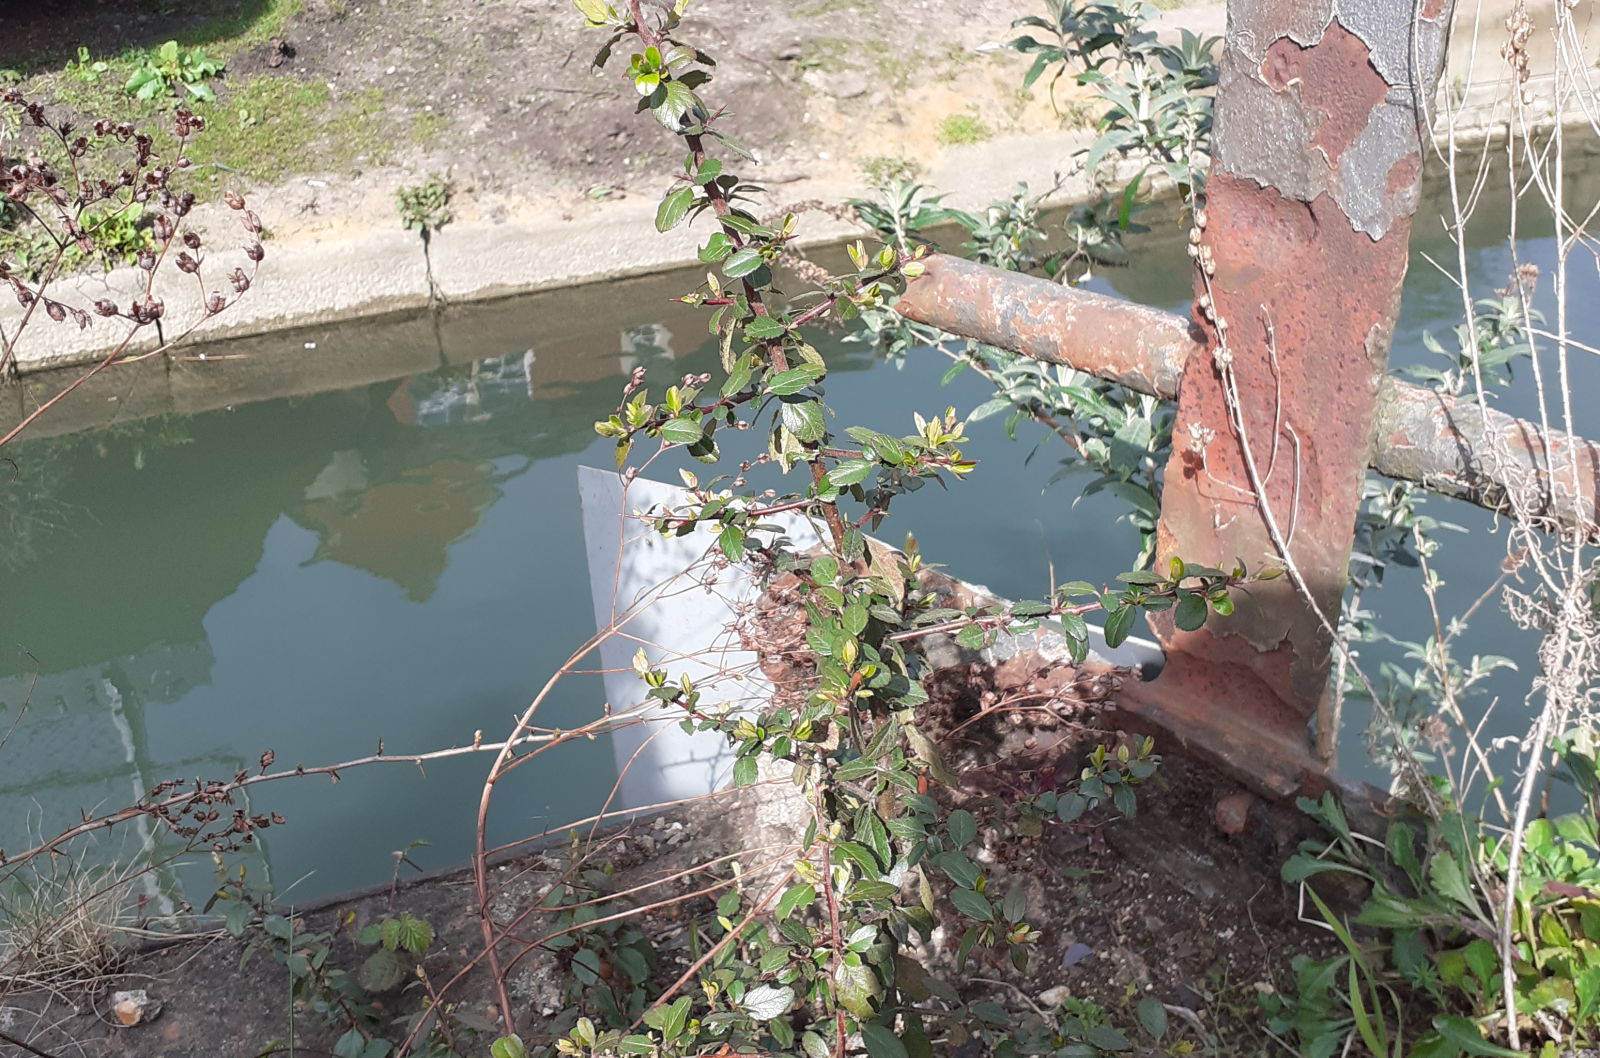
{"points": [[390, 547]]}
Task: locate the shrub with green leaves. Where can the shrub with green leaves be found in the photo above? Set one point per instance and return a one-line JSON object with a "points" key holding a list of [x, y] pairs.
{"points": [[172, 71], [818, 955], [424, 208], [1422, 977]]}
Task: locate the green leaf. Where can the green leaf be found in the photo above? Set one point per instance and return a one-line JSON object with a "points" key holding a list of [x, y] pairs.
{"points": [[849, 472], [1190, 613], [1015, 905], [794, 898], [742, 263], [882, 1042], [1118, 623], [968, 939], [508, 1047], [276, 926], [962, 826], [861, 856], [744, 772], [972, 904], [414, 935], [739, 375], [1463, 1033], [676, 99], [959, 869], [1301, 866], [380, 972], [1153, 1017], [731, 540], [855, 987], [677, 1017], [787, 383], [681, 431], [767, 327], [1106, 1038], [673, 208], [1070, 806], [716, 248], [804, 420], [764, 1002], [586, 966], [351, 1045]]}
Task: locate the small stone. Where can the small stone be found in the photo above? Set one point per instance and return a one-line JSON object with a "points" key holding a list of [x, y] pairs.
{"points": [[1054, 997], [134, 1007], [1233, 812]]}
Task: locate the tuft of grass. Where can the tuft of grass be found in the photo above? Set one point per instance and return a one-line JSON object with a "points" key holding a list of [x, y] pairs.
{"points": [[427, 126], [264, 129], [959, 129], [62, 923], [881, 170]]}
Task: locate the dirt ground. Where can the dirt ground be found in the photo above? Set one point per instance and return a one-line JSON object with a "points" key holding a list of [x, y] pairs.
{"points": [[499, 94]]}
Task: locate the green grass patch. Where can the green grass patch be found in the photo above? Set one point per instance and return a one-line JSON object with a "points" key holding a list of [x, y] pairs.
{"points": [[243, 23], [272, 127], [959, 129], [427, 126], [261, 130], [264, 129], [881, 170]]}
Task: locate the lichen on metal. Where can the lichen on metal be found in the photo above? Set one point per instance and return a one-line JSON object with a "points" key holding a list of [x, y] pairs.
{"points": [[1490, 460], [1324, 98]]}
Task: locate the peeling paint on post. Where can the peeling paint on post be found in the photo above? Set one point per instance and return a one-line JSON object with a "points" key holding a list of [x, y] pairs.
{"points": [[1314, 179]]}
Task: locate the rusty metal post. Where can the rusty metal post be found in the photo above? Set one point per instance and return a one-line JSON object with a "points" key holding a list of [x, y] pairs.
{"points": [[1321, 110]]}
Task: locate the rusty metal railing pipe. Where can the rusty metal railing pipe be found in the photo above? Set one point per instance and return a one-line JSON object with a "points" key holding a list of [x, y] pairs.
{"points": [[1141, 348], [1419, 435], [1494, 461]]}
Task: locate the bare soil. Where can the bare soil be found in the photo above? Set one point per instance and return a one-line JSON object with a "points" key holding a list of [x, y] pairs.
{"points": [[500, 95]]}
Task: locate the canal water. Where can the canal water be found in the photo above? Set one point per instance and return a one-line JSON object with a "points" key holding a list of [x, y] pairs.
{"points": [[372, 532]]}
